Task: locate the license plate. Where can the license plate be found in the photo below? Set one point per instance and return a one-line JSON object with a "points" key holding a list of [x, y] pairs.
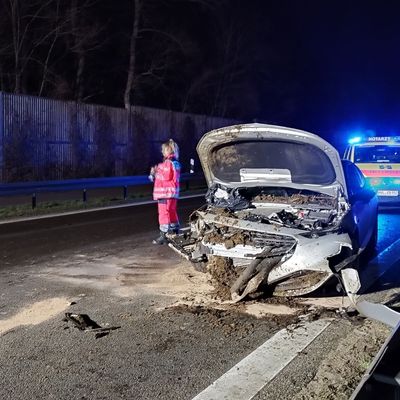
{"points": [[388, 192]]}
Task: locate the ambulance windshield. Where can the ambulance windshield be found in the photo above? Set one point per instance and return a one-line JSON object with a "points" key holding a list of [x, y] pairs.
{"points": [[377, 154]]}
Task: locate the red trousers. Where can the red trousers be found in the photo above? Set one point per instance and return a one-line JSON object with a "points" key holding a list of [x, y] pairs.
{"points": [[167, 215]]}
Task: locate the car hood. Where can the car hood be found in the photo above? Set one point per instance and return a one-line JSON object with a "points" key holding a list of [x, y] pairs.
{"points": [[266, 155]]}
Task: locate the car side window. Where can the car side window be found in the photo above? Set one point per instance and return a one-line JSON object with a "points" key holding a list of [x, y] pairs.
{"points": [[354, 178]]}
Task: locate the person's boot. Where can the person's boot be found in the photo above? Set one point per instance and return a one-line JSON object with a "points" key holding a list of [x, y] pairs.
{"points": [[175, 230], [162, 239]]}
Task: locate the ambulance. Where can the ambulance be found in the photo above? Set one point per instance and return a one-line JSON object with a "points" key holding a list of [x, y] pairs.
{"points": [[378, 157]]}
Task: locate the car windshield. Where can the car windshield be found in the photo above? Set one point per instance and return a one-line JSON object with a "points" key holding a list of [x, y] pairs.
{"points": [[377, 154], [307, 163]]}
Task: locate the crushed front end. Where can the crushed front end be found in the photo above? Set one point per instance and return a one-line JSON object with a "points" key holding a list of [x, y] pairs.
{"points": [[287, 241]]}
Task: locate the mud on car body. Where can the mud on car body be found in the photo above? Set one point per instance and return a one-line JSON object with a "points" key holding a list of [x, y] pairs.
{"points": [[283, 211]]}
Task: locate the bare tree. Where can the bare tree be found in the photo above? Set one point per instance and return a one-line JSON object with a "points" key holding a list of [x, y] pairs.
{"points": [[154, 51], [84, 34], [220, 86], [29, 32], [57, 26], [21, 19], [132, 52]]}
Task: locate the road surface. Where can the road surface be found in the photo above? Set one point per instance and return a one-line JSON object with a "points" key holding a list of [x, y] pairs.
{"points": [[172, 339]]}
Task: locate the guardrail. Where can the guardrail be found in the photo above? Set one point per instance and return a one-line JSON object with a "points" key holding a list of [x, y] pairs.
{"points": [[33, 188]]}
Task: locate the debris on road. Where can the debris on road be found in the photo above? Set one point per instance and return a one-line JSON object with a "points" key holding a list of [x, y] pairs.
{"points": [[232, 321], [222, 276], [84, 323]]}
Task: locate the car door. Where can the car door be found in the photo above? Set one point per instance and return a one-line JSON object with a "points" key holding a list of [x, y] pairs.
{"points": [[363, 201]]}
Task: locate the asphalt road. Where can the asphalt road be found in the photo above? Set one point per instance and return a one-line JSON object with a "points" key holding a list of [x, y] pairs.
{"points": [[26, 241], [170, 341]]}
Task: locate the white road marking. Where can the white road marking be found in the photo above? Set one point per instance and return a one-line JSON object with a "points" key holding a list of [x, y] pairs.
{"points": [[250, 375], [61, 214]]}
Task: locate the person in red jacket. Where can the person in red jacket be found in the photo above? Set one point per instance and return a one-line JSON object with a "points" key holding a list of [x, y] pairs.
{"points": [[166, 190]]}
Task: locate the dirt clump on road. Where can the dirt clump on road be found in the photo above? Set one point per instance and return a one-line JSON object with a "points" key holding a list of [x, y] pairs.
{"points": [[289, 301], [234, 320], [342, 369], [222, 276], [227, 321]]}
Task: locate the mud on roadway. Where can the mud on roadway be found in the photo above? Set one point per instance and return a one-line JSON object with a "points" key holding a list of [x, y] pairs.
{"points": [[169, 318]]}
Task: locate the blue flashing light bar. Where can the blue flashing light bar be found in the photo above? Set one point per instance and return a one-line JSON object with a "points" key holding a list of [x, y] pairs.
{"points": [[363, 138], [355, 139]]}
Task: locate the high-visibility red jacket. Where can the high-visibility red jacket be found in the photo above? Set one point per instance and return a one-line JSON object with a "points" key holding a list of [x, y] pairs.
{"points": [[166, 179]]}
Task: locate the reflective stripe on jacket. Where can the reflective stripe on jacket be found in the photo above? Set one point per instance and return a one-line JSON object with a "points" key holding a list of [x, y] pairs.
{"points": [[166, 182]]}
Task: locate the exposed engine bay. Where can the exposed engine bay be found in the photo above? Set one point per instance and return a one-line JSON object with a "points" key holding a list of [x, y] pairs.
{"points": [[293, 208]]}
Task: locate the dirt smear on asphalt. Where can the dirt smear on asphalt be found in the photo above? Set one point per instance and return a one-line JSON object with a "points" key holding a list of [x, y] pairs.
{"points": [[35, 314], [180, 282], [177, 286], [160, 272], [335, 302], [260, 310], [342, 369], [129, 274]]}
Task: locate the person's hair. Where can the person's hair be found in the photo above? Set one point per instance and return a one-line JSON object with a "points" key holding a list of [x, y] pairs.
{"points": [[172, 147]]}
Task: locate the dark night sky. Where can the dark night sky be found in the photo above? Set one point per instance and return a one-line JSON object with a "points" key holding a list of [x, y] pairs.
{"points": [[344, 58]]}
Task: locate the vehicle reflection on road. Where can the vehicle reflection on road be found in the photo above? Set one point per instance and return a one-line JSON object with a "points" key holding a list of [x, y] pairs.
{"points": [[381, 274]]}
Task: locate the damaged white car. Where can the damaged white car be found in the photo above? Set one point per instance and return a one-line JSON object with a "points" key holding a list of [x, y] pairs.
{"points": [[283, 211]]}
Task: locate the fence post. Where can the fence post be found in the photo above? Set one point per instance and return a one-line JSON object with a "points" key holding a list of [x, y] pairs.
{"points": [[84, 196], [33, 201], [125, 192]]}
